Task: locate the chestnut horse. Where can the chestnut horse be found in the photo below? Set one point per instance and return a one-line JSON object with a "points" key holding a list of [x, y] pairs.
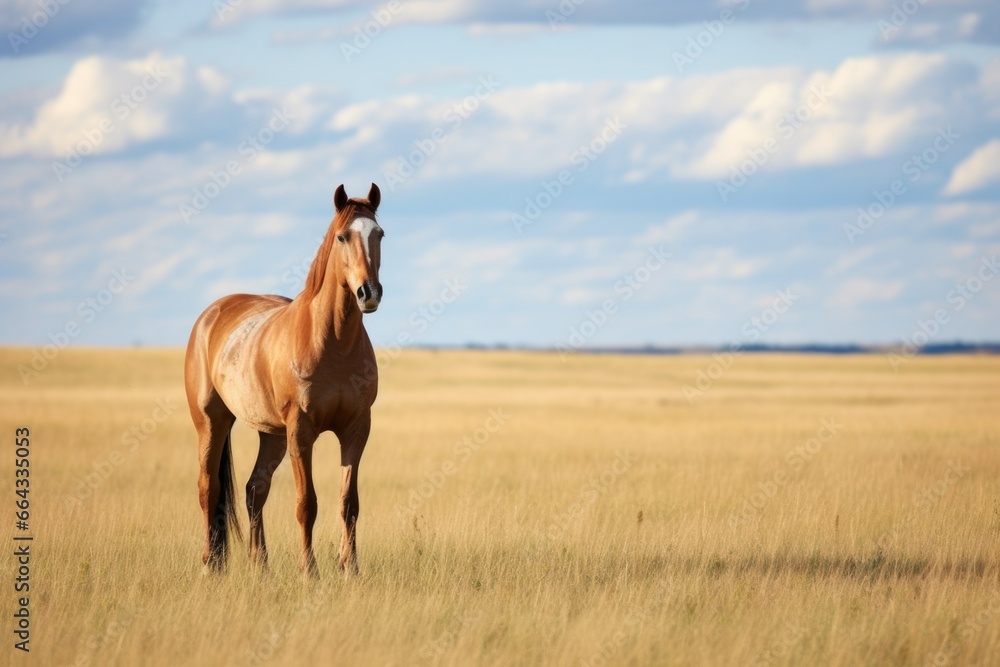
{"points": [[291, 369]]}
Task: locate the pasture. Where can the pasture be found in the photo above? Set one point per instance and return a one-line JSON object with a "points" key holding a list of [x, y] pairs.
{"points": [[521, 509]]}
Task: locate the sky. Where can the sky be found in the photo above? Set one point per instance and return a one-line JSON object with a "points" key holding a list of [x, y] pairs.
{"points": [[583, 173]]}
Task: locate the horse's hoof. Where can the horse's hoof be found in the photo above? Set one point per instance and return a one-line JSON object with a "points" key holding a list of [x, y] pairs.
{"points": [[213, 566], [310, 571], [350, 570]]}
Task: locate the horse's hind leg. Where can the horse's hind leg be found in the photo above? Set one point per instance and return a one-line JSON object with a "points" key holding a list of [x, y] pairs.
{"points": [[214, 492], [269, 457]]}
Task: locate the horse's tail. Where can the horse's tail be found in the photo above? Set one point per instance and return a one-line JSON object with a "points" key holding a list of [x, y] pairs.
{"points": [[226, 518]]}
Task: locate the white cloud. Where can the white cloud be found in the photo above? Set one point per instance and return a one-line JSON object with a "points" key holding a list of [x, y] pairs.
{"points": [[580, 295], [867, 107], [107, 105], [719, 264], [849, 260], [477, 261], [858, 291], [160, 105], [980, 169], [670, 231], [694, 128], [962, 250], [955, 27]]}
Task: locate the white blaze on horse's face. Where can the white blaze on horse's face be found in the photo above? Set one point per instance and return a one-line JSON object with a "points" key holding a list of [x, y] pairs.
{"points": [[366, 228], [364, 239]]}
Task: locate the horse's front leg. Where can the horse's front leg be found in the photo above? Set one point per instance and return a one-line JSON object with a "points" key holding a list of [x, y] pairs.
{"points": [[352, 446], [301, 437], [269, 457]]}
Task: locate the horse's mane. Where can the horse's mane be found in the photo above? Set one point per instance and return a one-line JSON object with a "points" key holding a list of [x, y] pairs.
{"points": [[317, 272]]}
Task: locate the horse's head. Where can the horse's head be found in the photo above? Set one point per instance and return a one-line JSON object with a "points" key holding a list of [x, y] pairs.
{"points": [[358, 246]]}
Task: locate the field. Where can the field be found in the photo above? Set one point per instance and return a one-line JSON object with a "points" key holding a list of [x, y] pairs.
{"points": [[521, 509]]}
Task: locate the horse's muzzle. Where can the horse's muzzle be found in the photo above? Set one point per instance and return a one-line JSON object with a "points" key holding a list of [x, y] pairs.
{"points": [[369, 296]]}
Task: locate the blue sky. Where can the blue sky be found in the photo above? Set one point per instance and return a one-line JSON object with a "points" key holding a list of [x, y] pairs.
{"points": [[578, 173]]}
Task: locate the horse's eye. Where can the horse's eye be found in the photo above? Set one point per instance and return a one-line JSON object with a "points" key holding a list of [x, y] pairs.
{"points": [[341, 238]]}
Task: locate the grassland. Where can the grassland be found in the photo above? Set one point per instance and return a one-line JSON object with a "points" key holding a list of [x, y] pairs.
{"points": [[801, 510]]}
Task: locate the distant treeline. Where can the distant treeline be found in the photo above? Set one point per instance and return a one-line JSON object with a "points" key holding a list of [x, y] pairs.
{"points": [[957, 347]]}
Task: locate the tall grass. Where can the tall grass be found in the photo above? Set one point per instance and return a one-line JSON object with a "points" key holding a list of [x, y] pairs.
{"points": [[607, 521]]}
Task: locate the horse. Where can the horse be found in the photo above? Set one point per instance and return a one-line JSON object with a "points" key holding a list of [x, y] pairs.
{"points": [[291, 369]]}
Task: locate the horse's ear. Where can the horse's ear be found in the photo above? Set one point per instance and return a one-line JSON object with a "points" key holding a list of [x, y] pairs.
{"points": [[374, 196], [340, 197]]}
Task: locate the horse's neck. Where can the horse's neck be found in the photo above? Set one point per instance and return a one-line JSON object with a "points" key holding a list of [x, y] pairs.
{"points": [[332, 318]]}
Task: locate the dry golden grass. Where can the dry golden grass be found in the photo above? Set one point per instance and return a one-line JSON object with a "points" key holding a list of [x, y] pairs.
{"points": [[606, 522]]}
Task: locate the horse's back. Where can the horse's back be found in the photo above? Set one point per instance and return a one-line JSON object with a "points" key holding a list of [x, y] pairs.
{"points": [[218, 321]]}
